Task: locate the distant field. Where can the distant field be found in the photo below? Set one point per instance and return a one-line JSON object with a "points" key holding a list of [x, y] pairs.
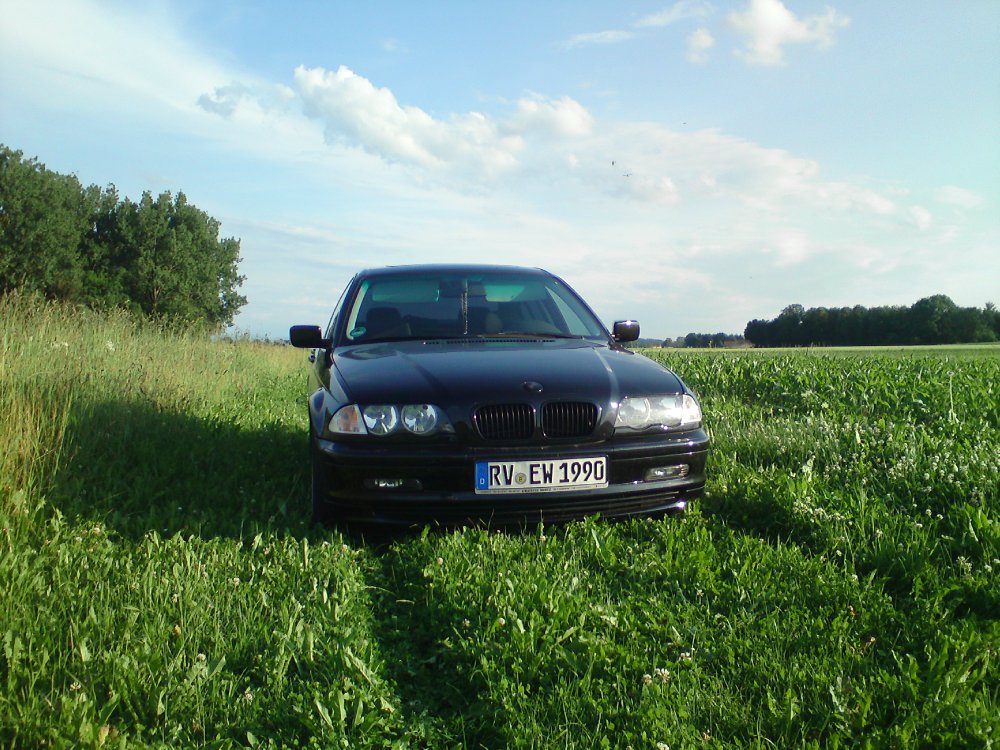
{"points": [[160, 588], [972, 350]]}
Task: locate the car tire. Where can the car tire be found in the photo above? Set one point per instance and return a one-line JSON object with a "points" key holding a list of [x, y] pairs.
{"points": [[322, 511]]}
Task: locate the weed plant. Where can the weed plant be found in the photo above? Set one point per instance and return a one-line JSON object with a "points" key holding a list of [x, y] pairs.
{"points": [[159, 586]]}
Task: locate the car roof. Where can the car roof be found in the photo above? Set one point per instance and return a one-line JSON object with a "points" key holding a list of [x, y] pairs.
{"points": [[465, 268]]}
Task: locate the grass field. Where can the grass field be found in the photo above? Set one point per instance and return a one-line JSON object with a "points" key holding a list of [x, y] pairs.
{"points": [[838, 585]]}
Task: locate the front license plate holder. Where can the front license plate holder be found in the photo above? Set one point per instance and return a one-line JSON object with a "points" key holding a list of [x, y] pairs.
{"points": [[545, 475]]}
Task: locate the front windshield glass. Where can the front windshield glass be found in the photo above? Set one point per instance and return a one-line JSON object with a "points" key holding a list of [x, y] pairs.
{"points": [[454, 305]]}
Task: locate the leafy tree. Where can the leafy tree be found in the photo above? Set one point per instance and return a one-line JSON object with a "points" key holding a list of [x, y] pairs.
{"points": [[929, 320], [163, 257], [932, 320], [104, 273], [42, 219]]}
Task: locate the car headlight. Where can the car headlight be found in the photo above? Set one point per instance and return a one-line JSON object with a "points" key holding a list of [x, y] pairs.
{"points": [[679, 411], [387, 419], [381, 419], [422, 419]]}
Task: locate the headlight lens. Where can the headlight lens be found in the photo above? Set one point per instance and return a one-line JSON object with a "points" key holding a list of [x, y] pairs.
{"points": [[633, 413], [381, 419], [421, 419], [665, 412], [387, 419]]}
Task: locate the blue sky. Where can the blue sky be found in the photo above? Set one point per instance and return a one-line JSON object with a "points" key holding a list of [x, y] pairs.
{"points": [[690, 164]]}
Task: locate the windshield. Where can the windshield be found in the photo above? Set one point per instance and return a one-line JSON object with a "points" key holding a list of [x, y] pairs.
{"points": [[459, 305]]}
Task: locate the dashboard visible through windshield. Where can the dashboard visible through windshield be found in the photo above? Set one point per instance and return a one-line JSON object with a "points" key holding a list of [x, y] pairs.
{"points": [[412, 306]]}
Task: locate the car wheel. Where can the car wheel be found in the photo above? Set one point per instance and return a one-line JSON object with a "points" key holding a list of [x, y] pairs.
{"points": [[322, 511]]}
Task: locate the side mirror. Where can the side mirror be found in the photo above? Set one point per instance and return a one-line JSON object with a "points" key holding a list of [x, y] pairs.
{"points": [[625, 330], [307, 337]]}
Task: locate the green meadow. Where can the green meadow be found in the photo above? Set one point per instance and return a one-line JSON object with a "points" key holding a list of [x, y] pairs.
{"points": [[160, 586]]}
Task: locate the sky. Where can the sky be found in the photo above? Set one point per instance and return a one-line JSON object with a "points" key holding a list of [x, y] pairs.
{"points": [[690, 164]]}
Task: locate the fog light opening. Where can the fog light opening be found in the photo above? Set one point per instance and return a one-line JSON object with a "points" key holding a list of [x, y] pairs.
{"points": [[660, 473], [392, 484]]}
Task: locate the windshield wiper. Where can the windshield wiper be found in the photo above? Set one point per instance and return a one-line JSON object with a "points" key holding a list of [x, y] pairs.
{"points": [[529, 334]]}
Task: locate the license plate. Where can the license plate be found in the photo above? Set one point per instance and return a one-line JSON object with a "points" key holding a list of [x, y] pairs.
{"points": [[498, 477]]}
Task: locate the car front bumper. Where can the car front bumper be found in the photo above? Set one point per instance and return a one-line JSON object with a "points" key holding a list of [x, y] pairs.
{"points": [[374, 484]]}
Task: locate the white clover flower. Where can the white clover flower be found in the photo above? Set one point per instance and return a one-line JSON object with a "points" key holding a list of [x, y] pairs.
{"points": [[236, 581], [440, 561], [247, 696], [501, 622], [109, 345]]}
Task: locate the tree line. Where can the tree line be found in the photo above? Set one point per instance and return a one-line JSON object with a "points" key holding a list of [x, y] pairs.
{"points": [[931, 320], [704, 341], [162, 256]]}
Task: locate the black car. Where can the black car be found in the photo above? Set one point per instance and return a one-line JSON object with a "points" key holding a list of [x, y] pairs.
{"points": [[459, 393]]}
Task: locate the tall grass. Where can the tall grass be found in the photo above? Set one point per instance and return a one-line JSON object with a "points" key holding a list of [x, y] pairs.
{"points": [[159, 586]]}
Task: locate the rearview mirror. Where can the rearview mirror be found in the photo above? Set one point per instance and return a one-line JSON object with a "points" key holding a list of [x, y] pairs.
{"points": [[625, 330], [307, 337]]}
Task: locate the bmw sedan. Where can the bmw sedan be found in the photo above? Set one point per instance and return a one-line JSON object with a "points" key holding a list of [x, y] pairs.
{"points": [[457, 394]]}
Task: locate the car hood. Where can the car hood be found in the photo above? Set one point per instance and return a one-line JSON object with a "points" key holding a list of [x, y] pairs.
{"points": [[478, 372]]}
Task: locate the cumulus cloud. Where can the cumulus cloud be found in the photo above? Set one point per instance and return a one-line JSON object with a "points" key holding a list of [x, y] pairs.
{"points": [[768, 26], [699, 42], [355, 112], [561, 117], [555, 141]]}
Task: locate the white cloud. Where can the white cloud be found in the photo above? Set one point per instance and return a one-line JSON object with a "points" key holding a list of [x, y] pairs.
{"points": [[768, 26], [791, 246], [921, 217], [679, 11], [956, 196], [562, 117], [613, 36], [699, 42], [82, 51], [225, 100], [356, 113]]}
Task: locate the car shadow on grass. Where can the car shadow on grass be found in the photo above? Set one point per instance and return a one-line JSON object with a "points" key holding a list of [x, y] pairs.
{"points": [[136, 468], [441, 689]]}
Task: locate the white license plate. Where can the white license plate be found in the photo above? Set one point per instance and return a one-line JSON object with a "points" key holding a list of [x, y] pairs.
{"points": [[496, 477]]}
